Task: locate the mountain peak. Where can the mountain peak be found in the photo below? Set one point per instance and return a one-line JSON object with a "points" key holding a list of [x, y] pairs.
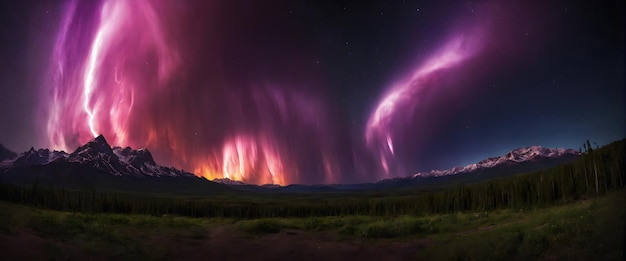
{"points": [[97, 142], [100, 139], [96, 146]]}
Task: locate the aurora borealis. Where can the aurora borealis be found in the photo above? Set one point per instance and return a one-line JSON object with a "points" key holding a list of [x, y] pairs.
{"points": [[304, 92]]}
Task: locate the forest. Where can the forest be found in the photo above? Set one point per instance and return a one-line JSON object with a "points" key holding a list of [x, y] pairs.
{"points": [[597, 172]]}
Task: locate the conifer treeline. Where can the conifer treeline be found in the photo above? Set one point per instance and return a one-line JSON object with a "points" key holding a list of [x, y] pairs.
{"points": [[597, 172]]}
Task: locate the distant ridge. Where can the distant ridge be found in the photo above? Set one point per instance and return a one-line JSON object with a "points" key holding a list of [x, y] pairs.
{"points": [[515, 157], [227, 181], [516, 161]]}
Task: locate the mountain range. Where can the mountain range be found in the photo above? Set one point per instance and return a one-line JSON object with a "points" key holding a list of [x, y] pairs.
{"points": [[99, 155], [98, 165], [521, 160], [532, 154]]}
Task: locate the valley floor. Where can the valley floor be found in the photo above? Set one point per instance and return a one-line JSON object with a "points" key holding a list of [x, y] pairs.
{"points": [[583, 230]]}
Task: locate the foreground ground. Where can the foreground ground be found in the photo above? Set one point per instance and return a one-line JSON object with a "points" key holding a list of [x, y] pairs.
{"points": [[581, 230]]}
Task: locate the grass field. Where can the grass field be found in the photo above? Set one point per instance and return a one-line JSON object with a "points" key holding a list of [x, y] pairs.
{"points": [[581, 230]]}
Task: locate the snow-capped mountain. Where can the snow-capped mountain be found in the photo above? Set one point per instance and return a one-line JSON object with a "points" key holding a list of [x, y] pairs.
{"points": [[38, 157], [227, 181], [98, 154], [29, 158], [121, 161], [515, 157]]}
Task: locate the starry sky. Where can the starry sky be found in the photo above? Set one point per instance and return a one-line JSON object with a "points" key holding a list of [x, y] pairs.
{"points": [[312, 91]]}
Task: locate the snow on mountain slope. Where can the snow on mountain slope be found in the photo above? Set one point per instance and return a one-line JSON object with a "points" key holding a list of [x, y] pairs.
{"points": [[516, 156], [227, 181], [38, 157], [98, 154], [121, 161]]}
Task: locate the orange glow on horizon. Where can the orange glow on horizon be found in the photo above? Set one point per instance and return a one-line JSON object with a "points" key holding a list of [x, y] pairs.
{"points": [[245, 159]]}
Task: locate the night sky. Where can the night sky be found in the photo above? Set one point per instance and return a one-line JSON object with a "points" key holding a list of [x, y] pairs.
{"points": [[312, 91]]}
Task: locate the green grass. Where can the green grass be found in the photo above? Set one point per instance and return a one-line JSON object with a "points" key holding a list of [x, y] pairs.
{"points": [[108, 235], [592, 230], [261, 226], [581, 230]]}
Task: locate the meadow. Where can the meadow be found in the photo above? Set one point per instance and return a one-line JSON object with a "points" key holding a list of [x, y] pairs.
{"points": [[583, 230]]}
